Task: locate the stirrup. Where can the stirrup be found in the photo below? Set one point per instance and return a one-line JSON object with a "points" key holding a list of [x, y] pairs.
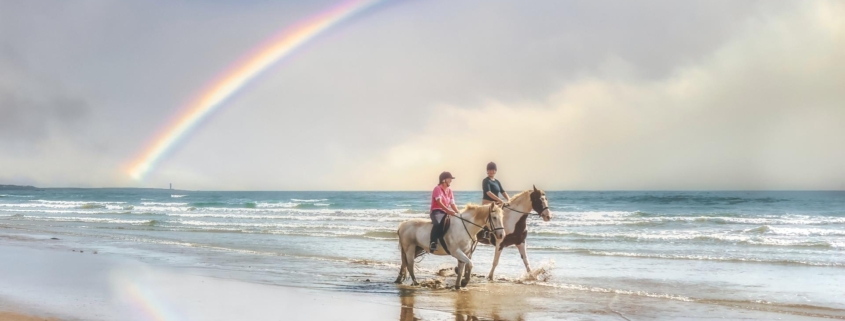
{"points": [[432, 247]]}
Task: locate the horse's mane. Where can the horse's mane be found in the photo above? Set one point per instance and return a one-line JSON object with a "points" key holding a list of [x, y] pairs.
{"points": [[471, 206], [521, 194]]}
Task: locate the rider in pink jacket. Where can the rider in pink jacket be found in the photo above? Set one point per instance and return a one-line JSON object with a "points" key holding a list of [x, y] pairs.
{"points": [[442, 204]]}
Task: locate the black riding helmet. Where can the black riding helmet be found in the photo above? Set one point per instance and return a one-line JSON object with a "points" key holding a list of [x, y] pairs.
{"points": [[492, 165], [444, 176]]}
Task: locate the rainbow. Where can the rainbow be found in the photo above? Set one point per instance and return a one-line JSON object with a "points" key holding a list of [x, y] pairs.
{"points": [[238, 76], [148, 305]]}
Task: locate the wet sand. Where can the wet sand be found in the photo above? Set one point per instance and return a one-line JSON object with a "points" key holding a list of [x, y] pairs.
{"points": [[12, 316], [66, 284]]}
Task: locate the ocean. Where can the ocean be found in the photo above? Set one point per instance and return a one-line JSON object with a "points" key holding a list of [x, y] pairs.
{"points": [[724, 251]]}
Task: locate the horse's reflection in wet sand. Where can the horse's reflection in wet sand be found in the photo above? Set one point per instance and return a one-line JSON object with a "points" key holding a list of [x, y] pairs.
{"points": [[465, 305], [406, 298]]}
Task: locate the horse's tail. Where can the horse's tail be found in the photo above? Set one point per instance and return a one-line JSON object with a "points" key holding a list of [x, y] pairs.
{"points": [[401, 246], [404, 263]]}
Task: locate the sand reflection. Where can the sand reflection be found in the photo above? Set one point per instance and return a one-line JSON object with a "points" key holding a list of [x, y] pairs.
{"points": [[492, 302]]}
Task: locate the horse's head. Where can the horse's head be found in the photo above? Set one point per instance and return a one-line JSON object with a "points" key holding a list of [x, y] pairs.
{"points": [[540, 204], [496, 220]]}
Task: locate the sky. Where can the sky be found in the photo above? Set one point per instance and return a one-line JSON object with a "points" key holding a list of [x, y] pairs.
{"points": [[564, 95]]}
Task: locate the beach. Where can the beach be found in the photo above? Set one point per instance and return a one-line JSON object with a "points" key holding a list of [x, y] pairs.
{"points": [[123, 254], [51, 284]]}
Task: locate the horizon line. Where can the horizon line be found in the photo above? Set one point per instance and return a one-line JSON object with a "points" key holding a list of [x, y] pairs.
{"points": [[30, 187]]}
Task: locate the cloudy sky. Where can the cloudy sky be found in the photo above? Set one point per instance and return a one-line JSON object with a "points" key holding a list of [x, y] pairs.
{"points": [[575, 95]]}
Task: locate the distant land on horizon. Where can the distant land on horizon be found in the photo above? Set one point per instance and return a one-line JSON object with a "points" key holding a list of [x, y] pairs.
{"points": [[28, 187], [16, 187]]}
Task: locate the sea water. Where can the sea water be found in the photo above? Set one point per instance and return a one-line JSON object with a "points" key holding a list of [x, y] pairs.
{"points": [[772, 251]]}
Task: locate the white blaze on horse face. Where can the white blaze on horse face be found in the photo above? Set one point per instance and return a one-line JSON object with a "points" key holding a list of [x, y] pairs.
{"points": [[498, 223], [547, 213]]}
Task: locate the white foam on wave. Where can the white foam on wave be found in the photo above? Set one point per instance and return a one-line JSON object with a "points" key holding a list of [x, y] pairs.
{"points": [[61, 211], [65, 205], [167, 204], [286, 225], [312, 211], [83, 219], [689, 235], [292, 217], [178, 196], [308, 201], [599, 218], [795, 231], [708, 258], [76, 202], [276, 205], [586, 288]]}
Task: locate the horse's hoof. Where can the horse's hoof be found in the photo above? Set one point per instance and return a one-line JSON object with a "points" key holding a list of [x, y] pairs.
{"points": [[415, 284]]}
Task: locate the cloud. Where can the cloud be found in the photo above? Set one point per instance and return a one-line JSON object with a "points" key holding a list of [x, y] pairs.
{"points": [[762, 111], [32, 107]]}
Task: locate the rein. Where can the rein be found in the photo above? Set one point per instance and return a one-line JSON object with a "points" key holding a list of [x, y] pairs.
{"points": [[507, 206], [489, 222], [489, 226]]}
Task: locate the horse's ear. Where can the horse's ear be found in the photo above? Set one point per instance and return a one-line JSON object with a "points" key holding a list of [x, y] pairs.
{"points": [[535, 187]]}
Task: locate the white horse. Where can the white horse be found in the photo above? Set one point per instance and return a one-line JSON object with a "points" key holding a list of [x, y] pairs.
{"points": [[414, 236], [516, 212]]}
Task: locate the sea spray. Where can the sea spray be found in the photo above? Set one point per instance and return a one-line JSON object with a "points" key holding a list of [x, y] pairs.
{"points": [[541, 273]]}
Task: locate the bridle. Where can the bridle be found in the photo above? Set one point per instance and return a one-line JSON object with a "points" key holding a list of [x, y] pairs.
{"points": [[539, 212]]}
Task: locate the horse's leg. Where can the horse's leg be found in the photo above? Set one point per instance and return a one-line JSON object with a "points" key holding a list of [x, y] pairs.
{"points": [[467, 272], [495, 262], [410, 253], [401, 277], [465, 262], [524, 255], [459, 270]]}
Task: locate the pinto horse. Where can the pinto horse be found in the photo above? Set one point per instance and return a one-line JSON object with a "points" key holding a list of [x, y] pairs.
{"points": [[414, 238], [516, 213]]}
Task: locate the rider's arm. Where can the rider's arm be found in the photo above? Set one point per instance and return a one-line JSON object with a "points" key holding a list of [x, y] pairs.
{"points": [[455, 208], [505, 194], [446, 208], [494, 197]]}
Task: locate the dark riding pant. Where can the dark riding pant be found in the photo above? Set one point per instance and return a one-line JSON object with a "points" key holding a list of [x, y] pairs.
{"points": [[437, 218]]}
